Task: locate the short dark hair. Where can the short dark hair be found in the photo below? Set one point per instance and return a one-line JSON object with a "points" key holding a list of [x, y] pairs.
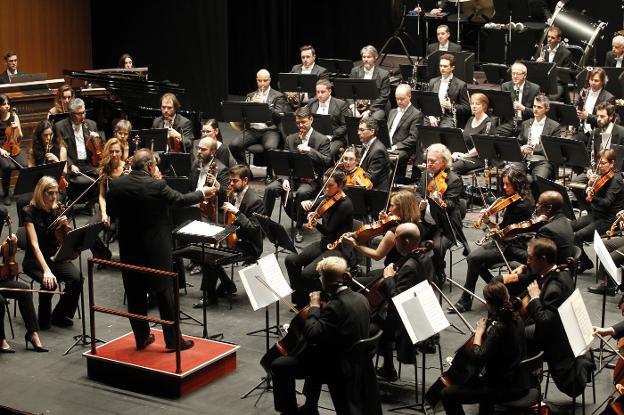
{"points": [[370, 123], [241, 170], [8, 54], [308, 47], [303, 112], [546, 248], [606, 106], [338, 175], [450, 58]]}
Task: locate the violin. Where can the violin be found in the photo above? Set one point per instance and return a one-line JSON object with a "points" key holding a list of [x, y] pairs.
{"points": [[231, 240], [358, 177], [94, 146], [175, 145], [63, 183], [208, 207], [365, 233], [9, 269], [437, 187], [498, 205], [62, 229], [616, 224], [599, 184], [324, 207], [12, 139]]}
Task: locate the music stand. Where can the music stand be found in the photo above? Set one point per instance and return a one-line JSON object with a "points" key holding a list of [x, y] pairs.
{"points": [[494, 147], [246, 112], [54, 118], [355, 89], [336, 66], [153, 138], [446, 225], [496, 73], [565, 152], [298, 82], [464, 64], [541, 184], [564, 114], [428, 102], [75, 242], [452, 138], [619, 156], [178, 164], [28, 177], [501, 102], [543, 74]]}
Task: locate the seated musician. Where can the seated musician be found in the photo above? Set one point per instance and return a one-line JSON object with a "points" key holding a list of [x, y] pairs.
{"points": [[374, 161], [180, 128], [530, 138], [122, 133], [596, 95], [337, 109], [316, 146], [379, 107], [452, 92], [336, 213], [479, 123], [42, 245], [497, 349], [10, 59], [412, 268], [46, 147], [553, 50], [329, 332], [523, 94], [307, 66], [442, 187], [244, 203], [267, 133], [112, 165], [614, 57], [210, 128], [403, 122], [64, 94], [613, 243], [356, 176], [444, 44], [518, 205], [605, 193], [208, 170], [125, 61], [11, 155], [550, 287]]}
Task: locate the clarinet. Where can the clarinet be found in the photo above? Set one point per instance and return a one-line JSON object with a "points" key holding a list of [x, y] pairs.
{"points": [[516, 98]]}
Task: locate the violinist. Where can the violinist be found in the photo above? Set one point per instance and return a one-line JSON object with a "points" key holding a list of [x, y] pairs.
{"points": [[244, 204], [122, 133], [11, 155], [519, 207], [335, 211], [605, 193], [498, 347], [64, 94], [374, 161], [479, 123], [329, 330], [316, 146], [42, 245], [180, 128], [442, 187], [356, 176]]}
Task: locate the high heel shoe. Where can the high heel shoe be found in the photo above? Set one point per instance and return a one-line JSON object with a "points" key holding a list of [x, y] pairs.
{"points": [[7, 350], [38, 349]]}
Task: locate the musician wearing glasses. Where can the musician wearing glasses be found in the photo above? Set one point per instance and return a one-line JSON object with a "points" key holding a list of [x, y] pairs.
{"points": [[452, 92], [325, 104], [523, 94], [403, 122], [179, 127], [11, 155], [615, 56], [379, 107], [10, 59]]}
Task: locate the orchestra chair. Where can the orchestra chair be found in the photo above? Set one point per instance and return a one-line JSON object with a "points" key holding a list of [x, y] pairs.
{"points": [[255, 150], [592, 381], [529, 375]]}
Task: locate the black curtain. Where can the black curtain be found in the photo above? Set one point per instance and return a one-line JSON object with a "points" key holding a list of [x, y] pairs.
{"points": [[183, 42]]}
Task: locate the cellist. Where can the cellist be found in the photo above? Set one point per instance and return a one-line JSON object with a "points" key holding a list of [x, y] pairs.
{"points": [[11, 155]]}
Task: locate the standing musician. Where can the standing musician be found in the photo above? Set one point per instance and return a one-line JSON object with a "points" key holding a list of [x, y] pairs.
{"points": [[379, 107], [307, 66], [337, 109], [180, 128], [112, 165], [10, 59], [210, 128], [355, 175], [42, 245], [374, 161], [443, 187], [243, 204], [523, 94], [122, 133], [316, 146], [141, 200], [548, 290], [336, 211], [518, 207], [443, 34], [530, 138], [479, 123], [452, 92], [605, 193], [403, 122], [595, 94], [329, 331], [64, 94], [614, 57], [497, 349], [11, 155]]}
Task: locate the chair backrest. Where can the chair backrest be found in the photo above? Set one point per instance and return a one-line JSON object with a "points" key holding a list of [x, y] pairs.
{"points": [[530, 372], [365, 347]]}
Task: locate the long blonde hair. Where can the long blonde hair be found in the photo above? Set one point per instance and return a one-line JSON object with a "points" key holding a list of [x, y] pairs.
{"points": [[105, 163], [43, 185]]}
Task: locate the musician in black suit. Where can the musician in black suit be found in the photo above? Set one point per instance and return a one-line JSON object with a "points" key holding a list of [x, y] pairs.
{"points": [[244, 204], [553, 50], [530, 138], [380, 106], [452, 92], [307, 66], [607, 132], [403, 122], [523, 94], [615, 56], [10, 59], [596, 95], [329, 333], [337, 109], [443, 33], [145, 240], [201, 176], [316, 146], [374, 160], [550, 288], [180, 128]]}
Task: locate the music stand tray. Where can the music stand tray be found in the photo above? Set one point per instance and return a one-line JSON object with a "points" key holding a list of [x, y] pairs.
{"points": [[28, 177], [494, 147], [292, 165], [355, 88], [496, 73], [322, 123], [564, 114], [187, 237], [78, 240], [152, 138], [428, 102], [178, 183], [336, 66], [452, 138], [565, 151], [298, 82], [500, 102]]}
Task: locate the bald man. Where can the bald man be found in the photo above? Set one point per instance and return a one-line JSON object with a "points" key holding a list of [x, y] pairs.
{"points": [[615, 55], [267, 133], [403, 123]]}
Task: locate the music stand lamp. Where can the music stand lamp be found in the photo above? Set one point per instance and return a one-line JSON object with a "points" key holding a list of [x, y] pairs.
{"points": [[246, 112], [355, 89], [299, 83], [565, 152]]}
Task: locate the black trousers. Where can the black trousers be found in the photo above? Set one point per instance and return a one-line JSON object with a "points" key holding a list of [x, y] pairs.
{"points": [[25, 303], [486, 396], [440, 244], [304, 191], [270, 140], [584, 228], [7, 165], [68, 302], [466, 164]]}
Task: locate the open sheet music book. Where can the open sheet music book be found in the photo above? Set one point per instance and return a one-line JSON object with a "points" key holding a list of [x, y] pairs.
{"points": [[256, 277], [576, 322], [420, 312], [200, 228], [605, 259]]}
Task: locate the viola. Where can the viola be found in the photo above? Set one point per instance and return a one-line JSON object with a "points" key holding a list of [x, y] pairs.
{"points": [[208, 206], [519, 228], [599, 184], [94, 146], [231, 240], [365, 233], [324, 207], [437, 187], [9, 269], [175, 145], [61, 230], [358, 177], [498, 205], [12, 139]]}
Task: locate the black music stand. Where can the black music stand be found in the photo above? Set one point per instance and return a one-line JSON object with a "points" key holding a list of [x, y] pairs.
{"points": [[54, 118], [320, 122], [153, 138], [246, 112], [298, 82], [495, 73], [355, 89], [28, 177], [564, 114], [565, 152], [541, 184], [497, 148], [76, 241], [428, 102], [367, 203], [619, 156], [338, 67], [501, 102], [177, 164], [543, 74], [452, 138], [464, 64]]}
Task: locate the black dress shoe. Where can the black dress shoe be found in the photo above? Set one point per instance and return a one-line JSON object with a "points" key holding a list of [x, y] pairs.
{"points": [[62, 321], [299, 237], [585, 265], [461, 307], [209, 302], [601, 289], [150, 339], [184, 345], [390, 375]]}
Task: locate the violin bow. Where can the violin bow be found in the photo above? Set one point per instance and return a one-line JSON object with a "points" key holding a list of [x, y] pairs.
{"points": [[500, 250], [466, 290], [74, 202], [328, 177], [396, 165], [450, 303], [282, 300]]}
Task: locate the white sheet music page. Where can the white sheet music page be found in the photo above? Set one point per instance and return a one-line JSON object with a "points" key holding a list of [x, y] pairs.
{"points": [[605, 259], [256, 277], [576, 323], [199, 228]]}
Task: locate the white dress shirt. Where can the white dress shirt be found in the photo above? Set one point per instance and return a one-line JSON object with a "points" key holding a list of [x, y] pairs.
{"points": [[81, 148]]}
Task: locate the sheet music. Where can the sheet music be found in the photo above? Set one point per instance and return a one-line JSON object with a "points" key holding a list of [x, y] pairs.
{"points": [[420, 312], [605, 259], [576, 323], [201, 229], [268, 271]]}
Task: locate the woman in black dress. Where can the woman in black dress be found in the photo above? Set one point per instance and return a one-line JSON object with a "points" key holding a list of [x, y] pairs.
{"points": [[479, 123], [10, 159]]}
